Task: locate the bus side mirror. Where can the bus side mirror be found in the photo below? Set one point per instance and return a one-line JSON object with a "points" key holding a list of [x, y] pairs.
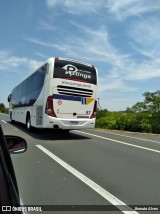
{"points": [[9, 97], [16, 144]]}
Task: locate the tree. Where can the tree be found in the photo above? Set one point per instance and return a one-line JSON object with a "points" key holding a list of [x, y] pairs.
{"points": [[150, 104], [149, 111], [2, 107], [139, 107], [152, 100]]}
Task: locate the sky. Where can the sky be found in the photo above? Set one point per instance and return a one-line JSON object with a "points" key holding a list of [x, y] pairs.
{"points": [[119, 37]]}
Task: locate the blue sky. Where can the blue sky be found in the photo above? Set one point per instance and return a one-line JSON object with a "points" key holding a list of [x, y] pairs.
{"points": [[120, 37]]}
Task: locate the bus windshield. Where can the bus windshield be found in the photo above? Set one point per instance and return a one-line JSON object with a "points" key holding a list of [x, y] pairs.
{"points": [[74, 71]]}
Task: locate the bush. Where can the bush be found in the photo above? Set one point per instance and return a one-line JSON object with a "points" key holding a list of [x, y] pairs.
{"points": [[3, 109], [141, 117], [136, 122]]}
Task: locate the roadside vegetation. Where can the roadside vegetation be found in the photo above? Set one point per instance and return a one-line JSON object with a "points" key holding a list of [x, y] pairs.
{"points": [[3, 109], [141, 117]]}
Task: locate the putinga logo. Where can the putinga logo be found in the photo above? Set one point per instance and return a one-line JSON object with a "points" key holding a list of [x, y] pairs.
{"points": [[73, 71]]}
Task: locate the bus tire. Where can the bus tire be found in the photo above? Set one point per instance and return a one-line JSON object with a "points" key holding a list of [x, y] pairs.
{"points": [[28, 123]]}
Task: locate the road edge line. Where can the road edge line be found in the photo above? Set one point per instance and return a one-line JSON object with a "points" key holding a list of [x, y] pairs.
{"points": [[121, 142]]}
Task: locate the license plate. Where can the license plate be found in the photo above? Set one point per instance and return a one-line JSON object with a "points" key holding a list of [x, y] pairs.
{"points": [[74, 122]]}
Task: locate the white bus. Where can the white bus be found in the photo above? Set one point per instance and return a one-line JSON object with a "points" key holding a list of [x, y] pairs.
{"points": [[60, 94]]}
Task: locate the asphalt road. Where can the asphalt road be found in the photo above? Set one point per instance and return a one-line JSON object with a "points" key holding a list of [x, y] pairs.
{"points": [[88, 167]]}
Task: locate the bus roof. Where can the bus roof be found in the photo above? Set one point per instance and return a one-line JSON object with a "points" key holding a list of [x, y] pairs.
{"points": [[73, 60]]}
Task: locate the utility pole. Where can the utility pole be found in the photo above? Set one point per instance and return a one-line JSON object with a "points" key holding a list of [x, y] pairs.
{"points": [[99, 106]]}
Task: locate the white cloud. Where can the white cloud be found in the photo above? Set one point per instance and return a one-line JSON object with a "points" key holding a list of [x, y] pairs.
{"points": [[41, 55], [144, 71], [145, 33], [107, 83], [39, 42], [13, 63], [112, 103], [121, 9], [52, 3], [46, 25], [145, 41], [77, 7], [94, 46], [126, 8]]}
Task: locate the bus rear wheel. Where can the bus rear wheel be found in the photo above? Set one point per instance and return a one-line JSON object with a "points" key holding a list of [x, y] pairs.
{"points": [[28, 123], [12, 121]]}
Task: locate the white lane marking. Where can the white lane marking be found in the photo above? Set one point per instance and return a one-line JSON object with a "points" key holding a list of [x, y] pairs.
{"points": [[117, 141], [3, 121], [104, 193], [128, 136]]}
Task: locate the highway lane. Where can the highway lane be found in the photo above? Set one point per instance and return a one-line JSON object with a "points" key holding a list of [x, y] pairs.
{"points": [[127, 172]]}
